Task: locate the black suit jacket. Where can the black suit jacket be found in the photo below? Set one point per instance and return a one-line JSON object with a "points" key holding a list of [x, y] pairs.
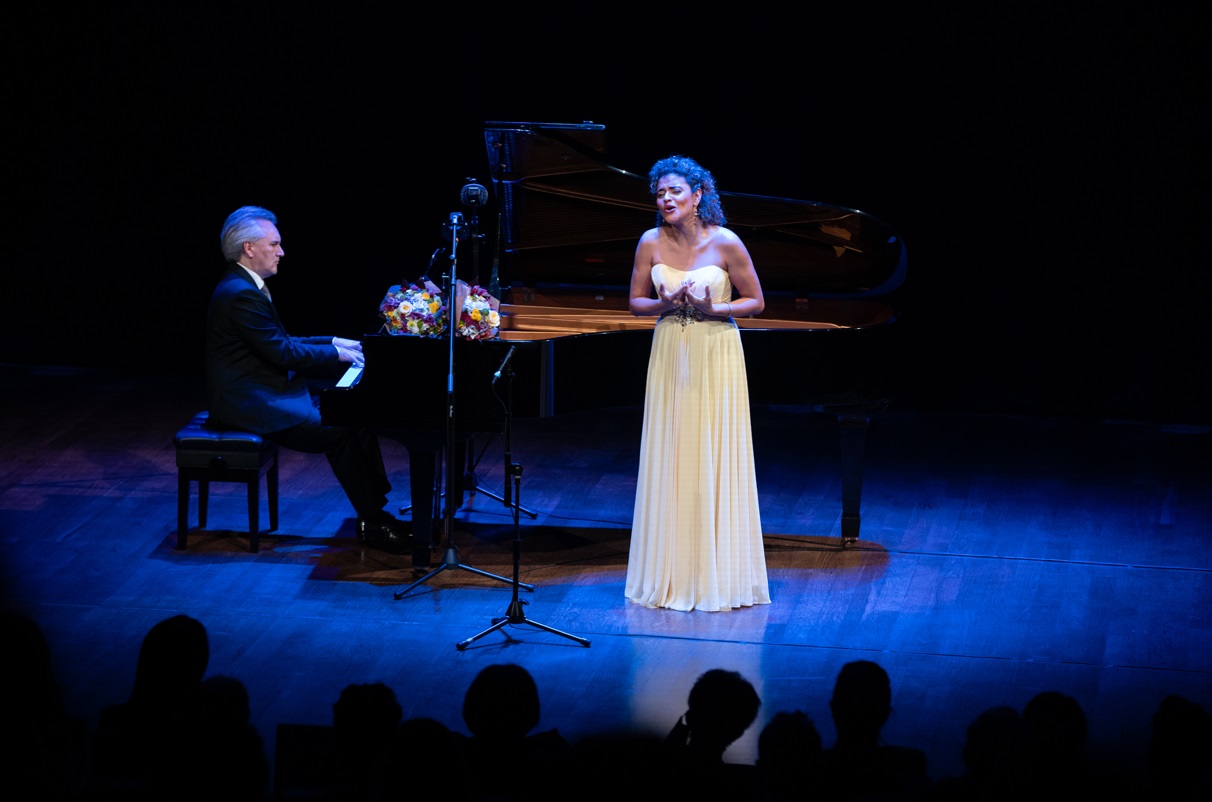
{"points": [[254, 368]]}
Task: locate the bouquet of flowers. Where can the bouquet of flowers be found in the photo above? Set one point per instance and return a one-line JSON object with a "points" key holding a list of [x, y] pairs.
{"points": [[420, 310], [479, 318], [415, 310]]}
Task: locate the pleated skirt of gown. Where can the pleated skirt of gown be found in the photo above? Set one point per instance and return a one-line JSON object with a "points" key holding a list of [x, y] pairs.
{"points": [[696, 539]]}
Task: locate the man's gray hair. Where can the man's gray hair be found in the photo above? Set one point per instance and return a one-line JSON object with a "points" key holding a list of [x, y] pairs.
{"points": [[243, 225]]}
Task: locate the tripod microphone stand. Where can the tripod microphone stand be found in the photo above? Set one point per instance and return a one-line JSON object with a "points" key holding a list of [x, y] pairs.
{"points": [[450, 558], [515, 614]]}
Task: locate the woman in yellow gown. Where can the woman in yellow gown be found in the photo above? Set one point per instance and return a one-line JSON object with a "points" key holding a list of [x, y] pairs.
{"points": [[696, 538]]}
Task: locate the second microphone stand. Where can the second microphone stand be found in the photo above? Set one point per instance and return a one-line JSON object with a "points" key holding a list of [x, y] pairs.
{"points": [[516, 613]]}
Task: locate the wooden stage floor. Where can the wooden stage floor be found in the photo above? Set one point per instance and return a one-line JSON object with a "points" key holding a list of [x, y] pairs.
{"points": [[1000, 556]]}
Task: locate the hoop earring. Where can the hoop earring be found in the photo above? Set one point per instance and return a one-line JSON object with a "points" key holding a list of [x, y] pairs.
{"points": [[696, 212]]}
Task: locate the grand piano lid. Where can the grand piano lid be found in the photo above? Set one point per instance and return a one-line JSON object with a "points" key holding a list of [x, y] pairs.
{"points": [[568, 217]]}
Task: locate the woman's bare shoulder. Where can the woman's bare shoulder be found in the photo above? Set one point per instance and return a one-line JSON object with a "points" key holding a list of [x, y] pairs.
{"points": [[727, 236]]}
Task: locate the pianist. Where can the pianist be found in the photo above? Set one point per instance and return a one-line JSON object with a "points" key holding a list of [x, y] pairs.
{"points": [[255, 382]]}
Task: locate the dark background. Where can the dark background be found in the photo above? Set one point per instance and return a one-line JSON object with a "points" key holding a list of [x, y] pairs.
{"points": [[1047, 168]]}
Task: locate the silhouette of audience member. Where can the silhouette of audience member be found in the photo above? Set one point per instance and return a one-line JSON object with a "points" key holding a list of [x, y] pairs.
{"points": [[994, 760], [1056, 744], [508, 759], [610, 761], [1178, 760], [721, 706], [405, 773], [221, 726], [365, 718], [46, 747], [226, 718], [225, 697], [789, 758], [139, 740], [859, 766]]}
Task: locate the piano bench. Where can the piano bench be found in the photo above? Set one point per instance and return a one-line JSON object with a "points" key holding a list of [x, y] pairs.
{"points": [[206, 454]]}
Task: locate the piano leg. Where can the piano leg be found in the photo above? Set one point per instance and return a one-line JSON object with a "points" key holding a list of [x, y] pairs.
{"points": [[853, 442]]}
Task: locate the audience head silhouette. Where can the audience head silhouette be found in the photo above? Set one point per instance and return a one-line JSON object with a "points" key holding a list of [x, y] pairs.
{"points": [[859, 762], [29, 676], [501, 703], [861, 702], [1056, 742], [225, 697], [721, 706], [399, 772], [501, 711], [173, 657], [1057, 723], [789, 737], [366, 712], [994, 743], [223, 717], [45, 746], [789, 756], [1179, 756]]}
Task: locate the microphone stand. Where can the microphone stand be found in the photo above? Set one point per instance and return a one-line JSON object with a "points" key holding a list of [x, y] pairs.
{"points": [[473, 196], [450, 559], [515, 614]]}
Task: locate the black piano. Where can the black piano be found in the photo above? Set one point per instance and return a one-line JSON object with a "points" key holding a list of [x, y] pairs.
{"points": [[568, 225]]}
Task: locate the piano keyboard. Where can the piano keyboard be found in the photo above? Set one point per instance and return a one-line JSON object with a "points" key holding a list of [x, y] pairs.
{"points": [[351, 376]]}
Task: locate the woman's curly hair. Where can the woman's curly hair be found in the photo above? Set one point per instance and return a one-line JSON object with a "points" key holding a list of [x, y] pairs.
{"points": [[710, 211]]}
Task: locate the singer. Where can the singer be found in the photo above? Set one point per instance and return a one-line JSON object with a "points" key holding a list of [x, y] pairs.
{"points": [[692, 547]]}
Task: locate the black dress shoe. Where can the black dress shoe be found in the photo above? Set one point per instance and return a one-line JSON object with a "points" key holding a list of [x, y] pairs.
{"points": [[388, 535]]}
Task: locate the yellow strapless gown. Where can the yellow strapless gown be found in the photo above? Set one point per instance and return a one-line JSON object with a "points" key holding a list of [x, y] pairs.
{"points": [[696, 537]]}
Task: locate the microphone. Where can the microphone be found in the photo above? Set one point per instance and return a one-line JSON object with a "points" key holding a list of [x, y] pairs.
{"points": [[473, 195], [504, 362], [454, 227]]}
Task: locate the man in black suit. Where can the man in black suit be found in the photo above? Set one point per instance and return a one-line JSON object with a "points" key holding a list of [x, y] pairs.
{"points": [[255, 376]]}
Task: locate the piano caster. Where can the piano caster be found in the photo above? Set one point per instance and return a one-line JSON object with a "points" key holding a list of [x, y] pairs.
{"points": [[850, 529]]}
